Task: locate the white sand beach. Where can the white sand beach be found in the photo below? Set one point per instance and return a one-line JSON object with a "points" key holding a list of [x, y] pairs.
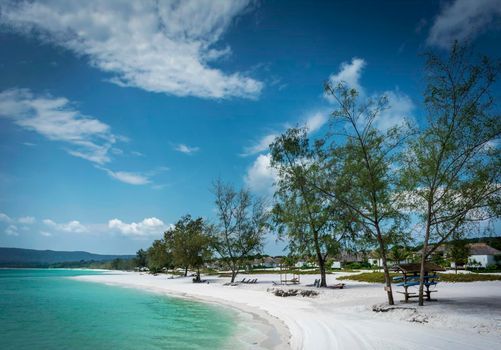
{"points": [[466, 315]]}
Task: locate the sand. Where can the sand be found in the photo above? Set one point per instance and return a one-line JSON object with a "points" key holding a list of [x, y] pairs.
{"points": [[466, 315]]}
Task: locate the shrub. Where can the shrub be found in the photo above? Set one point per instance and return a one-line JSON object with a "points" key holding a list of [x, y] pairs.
{"points": [[378, 277]]}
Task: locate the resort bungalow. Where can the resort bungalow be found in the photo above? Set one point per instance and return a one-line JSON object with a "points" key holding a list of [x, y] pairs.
{"points": [[482, 255], [347, 257]]}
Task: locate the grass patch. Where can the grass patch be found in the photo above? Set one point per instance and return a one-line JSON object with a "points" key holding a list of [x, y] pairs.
{"points": [[378, 277]]}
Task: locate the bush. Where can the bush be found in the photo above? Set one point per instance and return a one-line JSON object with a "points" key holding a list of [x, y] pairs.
{"points": [[357, 265], [378, 277]]}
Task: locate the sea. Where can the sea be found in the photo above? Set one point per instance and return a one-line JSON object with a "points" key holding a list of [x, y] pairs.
{"points": [[46, 309]]}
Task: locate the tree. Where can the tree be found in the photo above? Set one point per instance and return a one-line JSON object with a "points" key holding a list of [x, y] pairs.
{"points": [[301, 212], [398, 253], [365, 181], [453, 168], [241, 225], [141, 258], [159, 255], [459, 252], [189, 243]]}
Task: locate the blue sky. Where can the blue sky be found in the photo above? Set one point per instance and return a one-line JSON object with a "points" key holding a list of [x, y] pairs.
{"points": [[115, 116]]}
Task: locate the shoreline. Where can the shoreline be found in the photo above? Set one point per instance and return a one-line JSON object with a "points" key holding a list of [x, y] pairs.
{"points": [[273, 332], [467, 315]]}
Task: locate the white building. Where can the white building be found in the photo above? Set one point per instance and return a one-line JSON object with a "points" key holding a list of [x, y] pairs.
{"points": [[482, 255]]}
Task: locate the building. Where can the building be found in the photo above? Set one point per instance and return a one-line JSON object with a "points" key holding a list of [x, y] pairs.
{"points": [[482, 255]]}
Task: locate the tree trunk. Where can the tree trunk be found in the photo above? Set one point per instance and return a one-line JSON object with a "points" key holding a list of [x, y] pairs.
{"points": [[234, 272], [197, 278], [387, 277], [321, 261], [186, 271], [423, 259], [323, 279]]}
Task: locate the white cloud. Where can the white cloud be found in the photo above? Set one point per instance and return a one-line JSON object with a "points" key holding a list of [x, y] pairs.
{"points": [[5, 218], [316, 121], [260, 175], [313, 123], [73, 226], [400, 108], [147, 227], [186, 149], [130, 178], [262, 145], [55, 118], [26, 220], [463, 20], [11, 230], [158, 46], [45, 233], [349, 73]]}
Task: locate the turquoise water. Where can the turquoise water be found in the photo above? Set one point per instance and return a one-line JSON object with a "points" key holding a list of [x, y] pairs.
{"points": [[43, 309]]}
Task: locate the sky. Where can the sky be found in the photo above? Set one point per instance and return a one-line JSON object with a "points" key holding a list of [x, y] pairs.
{"points": [[117, 116]]}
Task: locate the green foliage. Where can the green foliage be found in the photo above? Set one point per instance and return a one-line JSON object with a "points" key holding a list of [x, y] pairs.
{"points": [[459, 252], [362, 171], [141, 258], [451, 168], [242, 223], [158, 256], [357, 265], [378, 277], [189, 243], [301, 212], [399, 253]]}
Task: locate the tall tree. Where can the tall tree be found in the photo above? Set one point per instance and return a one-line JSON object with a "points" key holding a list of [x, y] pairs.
{"points": [[301, 212], [459, 252], [363, 168], [241, 225], [141, 258], [453, 168], [159, 255], [189, 243]]}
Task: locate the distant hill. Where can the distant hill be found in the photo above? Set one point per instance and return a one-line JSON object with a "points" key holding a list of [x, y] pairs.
{"points": [[18, 257]]}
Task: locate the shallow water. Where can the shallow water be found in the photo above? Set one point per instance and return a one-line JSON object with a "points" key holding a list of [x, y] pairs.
{"points": [[43, 309]]}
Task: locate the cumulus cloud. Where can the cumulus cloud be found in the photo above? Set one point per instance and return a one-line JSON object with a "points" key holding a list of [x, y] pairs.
{"points": [[5, 218], [147, 227], [261, 145], [73, 226], [463, 20], [313, 123], [26, 220], [56, 119], [349, 73], [158, 46], [400, 108], [12, 230], [261, 176], [186, 149]]}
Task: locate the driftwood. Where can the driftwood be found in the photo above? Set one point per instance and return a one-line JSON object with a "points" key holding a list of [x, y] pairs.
{"points": [[294, 292]]}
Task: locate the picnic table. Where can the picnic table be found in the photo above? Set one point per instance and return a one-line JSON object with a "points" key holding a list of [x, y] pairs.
{"points": [[410, 278]]}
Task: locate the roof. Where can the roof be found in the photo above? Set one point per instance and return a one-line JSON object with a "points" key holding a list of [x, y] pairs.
{"points": [[416, 267], [482, 249]]}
